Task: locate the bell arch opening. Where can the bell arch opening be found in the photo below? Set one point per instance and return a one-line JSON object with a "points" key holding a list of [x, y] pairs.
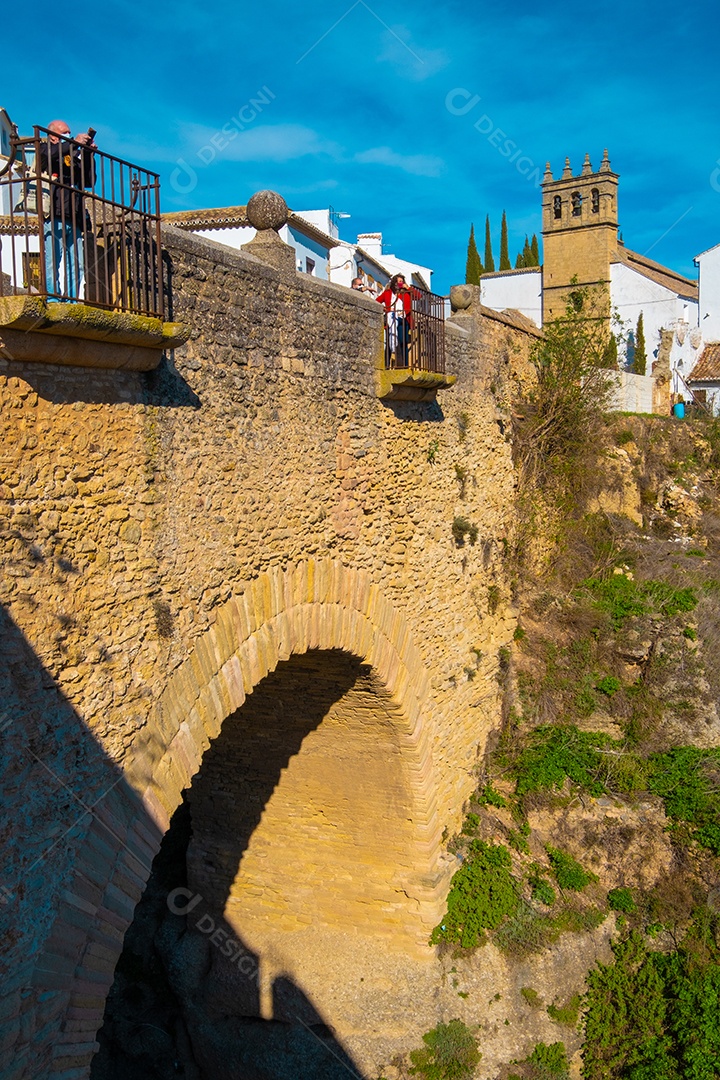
{"points": [[287, 914]]}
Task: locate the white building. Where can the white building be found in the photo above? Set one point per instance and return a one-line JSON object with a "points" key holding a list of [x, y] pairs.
{"points": [[229, 225], [6, 132], [708, 263], [582, 248], [415, 274], [667, 300], [19, 246], [314, 235], [523, 287], [347, 260], [704, 378]]}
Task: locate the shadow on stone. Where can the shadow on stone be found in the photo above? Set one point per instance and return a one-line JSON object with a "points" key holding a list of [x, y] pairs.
{"points": [[417, 411], [186, 1000]]}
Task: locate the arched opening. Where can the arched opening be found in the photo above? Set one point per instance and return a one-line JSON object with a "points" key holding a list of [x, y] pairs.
{"points": [[285, 897], [576, 203], [557, 207]]}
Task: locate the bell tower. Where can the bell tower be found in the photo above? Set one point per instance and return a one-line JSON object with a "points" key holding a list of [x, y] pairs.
{"points": [[580, 223]]}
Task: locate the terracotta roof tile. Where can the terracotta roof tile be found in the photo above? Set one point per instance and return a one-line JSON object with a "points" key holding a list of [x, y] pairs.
{"points": [[15, 225], [219, 217], [515, 270], [235, 217], [707, 368]]}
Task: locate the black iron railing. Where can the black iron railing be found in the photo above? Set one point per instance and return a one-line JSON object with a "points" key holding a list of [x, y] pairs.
{"points": [[79, 225], [416, 339]]}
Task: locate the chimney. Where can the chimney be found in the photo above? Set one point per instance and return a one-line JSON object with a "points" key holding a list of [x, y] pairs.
{"points": [[371, 242]]}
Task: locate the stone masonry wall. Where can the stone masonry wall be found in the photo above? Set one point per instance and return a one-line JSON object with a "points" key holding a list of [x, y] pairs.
{"points": [[137, 512]]}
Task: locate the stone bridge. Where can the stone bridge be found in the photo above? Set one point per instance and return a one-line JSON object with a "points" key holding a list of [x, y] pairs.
{"points": [[232, 594]]}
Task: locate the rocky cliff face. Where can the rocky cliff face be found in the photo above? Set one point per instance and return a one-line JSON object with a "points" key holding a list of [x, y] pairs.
{"points": [[601, 787]]}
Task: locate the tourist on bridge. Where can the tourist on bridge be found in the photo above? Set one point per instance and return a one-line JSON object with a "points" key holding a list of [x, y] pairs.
{"points": [[397, 302], [69, 163]]}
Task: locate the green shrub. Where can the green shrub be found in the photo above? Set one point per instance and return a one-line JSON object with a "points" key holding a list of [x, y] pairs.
{"points": [[667, 600], [531, 997], [482, 894], [621, 900], [450, 1053], [488, 796], [463, 423], [656, 1015], [569, 874], [620, 597], [617, 596], [562, 423], [556, 752], [574, 920], [566, 1014], [543, 892], [550, 1062], [518, 842], [608, 685], [529, 931], [493, 598], [461, 528], [682, 778]]}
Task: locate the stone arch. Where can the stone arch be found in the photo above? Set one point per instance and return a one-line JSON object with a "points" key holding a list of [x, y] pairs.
{"points": [[314, 605]]}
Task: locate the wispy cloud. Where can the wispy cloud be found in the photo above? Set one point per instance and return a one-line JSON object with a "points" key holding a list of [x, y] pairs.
{"points": [[417, 62], [416, 164], [265, 142]]}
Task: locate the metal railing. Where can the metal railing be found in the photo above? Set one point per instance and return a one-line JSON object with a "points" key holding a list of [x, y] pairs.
{"points": [[417, 340], [79, 225]]}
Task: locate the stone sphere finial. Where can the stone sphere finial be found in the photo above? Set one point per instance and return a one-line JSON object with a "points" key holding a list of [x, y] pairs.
{"points": [[267, 210], [461, 297]]}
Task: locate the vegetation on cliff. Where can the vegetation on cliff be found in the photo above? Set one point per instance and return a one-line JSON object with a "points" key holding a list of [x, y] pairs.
{"points": [[603, 786]]}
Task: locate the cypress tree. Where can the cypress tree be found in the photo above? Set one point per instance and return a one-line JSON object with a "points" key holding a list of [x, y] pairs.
{"points": [[504, 253], [488, 261], [640, 358], [519, 262], [535, 250], [473, 266], [527, 253], [610, 356]]}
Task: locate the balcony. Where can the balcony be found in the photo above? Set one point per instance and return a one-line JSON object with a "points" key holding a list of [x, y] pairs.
{"points": [[81, 278], [413, 366]]}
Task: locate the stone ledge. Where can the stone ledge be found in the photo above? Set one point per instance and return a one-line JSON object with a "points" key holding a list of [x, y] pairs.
{"points": [[411, 384], [81, 335]]}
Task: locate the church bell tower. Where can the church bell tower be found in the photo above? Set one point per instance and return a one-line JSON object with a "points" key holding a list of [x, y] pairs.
{"points": [[580, 223]]}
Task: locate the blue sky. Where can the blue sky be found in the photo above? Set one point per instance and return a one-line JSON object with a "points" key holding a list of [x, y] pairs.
{"points": [[361, 106]]}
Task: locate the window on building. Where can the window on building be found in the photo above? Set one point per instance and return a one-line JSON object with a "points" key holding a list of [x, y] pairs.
{"points": [[576, 200], [557, 207], [31, 271], [309, 266], [595, 196]]}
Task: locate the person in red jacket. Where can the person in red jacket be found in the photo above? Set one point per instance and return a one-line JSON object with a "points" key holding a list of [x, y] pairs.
{"points": [[397, 302]]}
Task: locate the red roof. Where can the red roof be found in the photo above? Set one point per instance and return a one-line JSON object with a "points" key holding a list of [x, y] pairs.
{"points": [[707, 368]]}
